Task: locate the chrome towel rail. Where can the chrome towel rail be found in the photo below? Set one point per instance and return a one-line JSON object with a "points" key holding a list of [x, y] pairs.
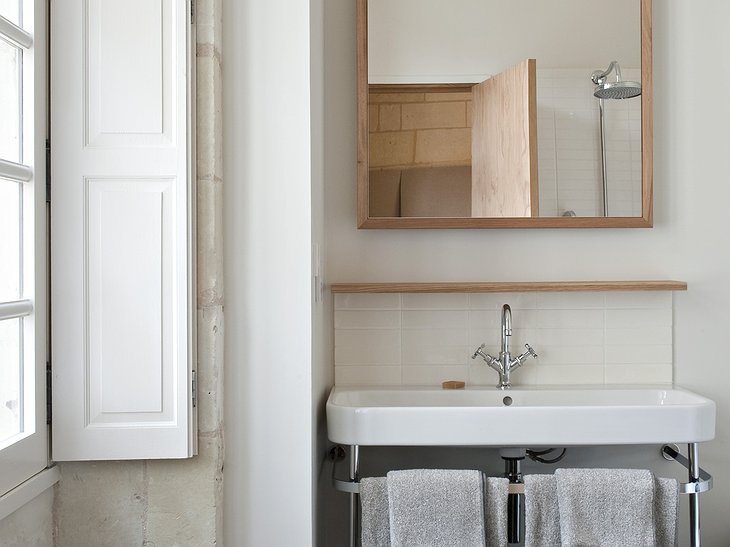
{"points": [[700, 481]]}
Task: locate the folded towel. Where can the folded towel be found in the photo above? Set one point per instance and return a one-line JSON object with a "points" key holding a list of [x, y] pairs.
{"points": [[542, 518], [374, 512], [666, 511], [497, 492], [436, 507], [606, 507]]}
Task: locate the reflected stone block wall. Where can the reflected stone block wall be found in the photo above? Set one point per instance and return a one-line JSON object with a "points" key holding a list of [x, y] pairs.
{"points": [[419, 129]]}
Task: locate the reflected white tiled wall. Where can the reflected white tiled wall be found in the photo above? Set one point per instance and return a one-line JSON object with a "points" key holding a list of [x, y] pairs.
{"points": [[569, 153], [581, 338]]}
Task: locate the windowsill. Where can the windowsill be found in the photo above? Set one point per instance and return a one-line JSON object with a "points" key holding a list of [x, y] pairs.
{"points": [[30, 489]]}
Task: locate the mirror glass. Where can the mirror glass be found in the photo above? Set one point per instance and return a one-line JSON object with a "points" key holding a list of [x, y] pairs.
{"points": [[483, 113]]}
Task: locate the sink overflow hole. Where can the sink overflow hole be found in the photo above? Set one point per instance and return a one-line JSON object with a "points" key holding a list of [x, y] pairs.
{"points": [[507, 401]]}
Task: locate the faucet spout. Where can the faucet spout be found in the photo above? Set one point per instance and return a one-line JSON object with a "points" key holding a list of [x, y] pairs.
{"points": [[504, 354], [506, 327]]}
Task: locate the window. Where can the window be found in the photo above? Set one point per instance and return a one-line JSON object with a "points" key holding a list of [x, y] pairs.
{"points": [[23, 430]]}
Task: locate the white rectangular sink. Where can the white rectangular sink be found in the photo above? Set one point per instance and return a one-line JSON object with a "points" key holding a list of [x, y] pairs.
{"points": [[518, 417]]}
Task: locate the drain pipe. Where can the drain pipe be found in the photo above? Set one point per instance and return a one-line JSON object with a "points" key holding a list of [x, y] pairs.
{"points": [[515, 500]]}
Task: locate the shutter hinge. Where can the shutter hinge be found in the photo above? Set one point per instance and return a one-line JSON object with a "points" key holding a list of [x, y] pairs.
{"points": [[195, 388], [48, 170], [49, 393], [192, 12]]}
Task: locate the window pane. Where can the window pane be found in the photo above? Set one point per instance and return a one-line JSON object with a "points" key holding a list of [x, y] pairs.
{"points": [[9, 102], [10, 9], [10, 251], [10, 366]]}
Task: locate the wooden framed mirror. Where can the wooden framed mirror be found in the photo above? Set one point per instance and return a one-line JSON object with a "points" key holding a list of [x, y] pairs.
{"points": [[503, 134]]}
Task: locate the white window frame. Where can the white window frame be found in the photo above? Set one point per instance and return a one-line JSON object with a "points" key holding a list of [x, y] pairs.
{"points": [[28, 453]]}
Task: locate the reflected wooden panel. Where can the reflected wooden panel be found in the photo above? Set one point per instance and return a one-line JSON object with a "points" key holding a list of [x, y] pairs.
{"points": [[504, 144]]}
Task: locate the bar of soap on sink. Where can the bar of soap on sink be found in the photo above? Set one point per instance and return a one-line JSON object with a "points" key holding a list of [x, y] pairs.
{"points": [[453, 384]]}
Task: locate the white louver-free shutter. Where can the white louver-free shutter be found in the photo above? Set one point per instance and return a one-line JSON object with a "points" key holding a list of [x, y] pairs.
{"points": [[122, 209]]}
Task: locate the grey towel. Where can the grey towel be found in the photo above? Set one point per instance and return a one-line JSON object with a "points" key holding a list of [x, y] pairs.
{"points": [[436, 507], [666, 511], [496, 511], [606, 507], [375, 524], [542, 518]]}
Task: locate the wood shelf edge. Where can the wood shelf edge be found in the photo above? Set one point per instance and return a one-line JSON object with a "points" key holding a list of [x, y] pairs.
{"points": [[508, 286]]}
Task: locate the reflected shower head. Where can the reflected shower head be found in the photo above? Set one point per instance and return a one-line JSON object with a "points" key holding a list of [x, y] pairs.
{"points": [[614, 90], [618, 90]]}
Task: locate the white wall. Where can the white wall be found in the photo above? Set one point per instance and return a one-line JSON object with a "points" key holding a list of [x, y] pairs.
{"points": [[31, 525], [437, 41], [688, 242], [267, 233], [322, 329]]}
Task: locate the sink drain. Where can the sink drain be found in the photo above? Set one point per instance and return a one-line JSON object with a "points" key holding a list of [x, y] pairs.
{"points": [[507, 401]]}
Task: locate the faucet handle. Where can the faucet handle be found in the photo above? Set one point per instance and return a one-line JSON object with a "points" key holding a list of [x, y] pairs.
{"points": [[479, 351], [491, 361], [522, 357], [530, 351]]}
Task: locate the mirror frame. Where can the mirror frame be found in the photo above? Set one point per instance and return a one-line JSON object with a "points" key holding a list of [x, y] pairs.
{"points": [[647, 143]]}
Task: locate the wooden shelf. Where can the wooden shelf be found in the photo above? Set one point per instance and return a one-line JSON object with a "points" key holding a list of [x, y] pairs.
{"points": [[507, 286]]}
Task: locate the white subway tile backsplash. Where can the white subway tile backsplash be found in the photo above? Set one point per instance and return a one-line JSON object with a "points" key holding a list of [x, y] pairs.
{"points": [[355, 301], [433, 375], [570, 355], [653, 354], [570, 300], [646, 335], [493, 338], [484, 319], [429, 301], [570, 375], [435, 319], [569, 337], [368, 376], [367, 347], [639, 374], [434, 337], [352, 319], [580, 337], [522, 319], [482, 375], [568, 319], [520, 337], [495, 301], [435, 355], [435, 347], [616, 319]]}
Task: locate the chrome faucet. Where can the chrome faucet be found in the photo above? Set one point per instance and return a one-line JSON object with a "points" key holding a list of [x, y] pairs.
{"points": [[506, 363]]}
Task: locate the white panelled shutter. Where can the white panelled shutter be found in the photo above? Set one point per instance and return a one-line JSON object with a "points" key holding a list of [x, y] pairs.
{"points": [[122, 210]]}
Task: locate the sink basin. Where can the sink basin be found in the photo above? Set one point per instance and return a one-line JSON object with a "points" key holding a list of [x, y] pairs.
{"points": [[524, 417]]}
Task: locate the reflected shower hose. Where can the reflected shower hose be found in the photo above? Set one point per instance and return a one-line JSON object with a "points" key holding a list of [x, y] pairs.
{"points": [[620, 89], [604, 178]]}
